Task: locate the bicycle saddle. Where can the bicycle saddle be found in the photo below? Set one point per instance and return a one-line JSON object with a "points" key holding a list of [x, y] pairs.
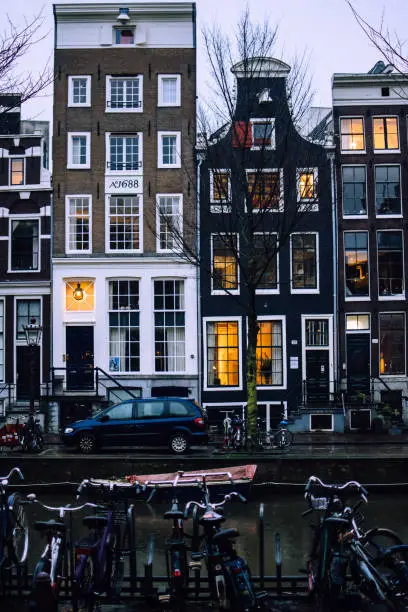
{"points": [[173, 514], [50, 525], [226, 534], [95, 522]]}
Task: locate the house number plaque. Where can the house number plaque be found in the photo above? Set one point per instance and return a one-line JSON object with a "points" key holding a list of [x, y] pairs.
{"points": [[123, 184]]}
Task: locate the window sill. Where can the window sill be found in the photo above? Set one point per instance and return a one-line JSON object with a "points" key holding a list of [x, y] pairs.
{"points": [[390, 298], [225, 292], [391, 216], [27, 271], [81, 167], [223, 388], [161, 105], [220, 209], [87, 252], [363, 298], [86, 105], [168, 166], [305, 291], [357, 216], [353, 152], [386, 151], [123, 252], [305, 206], [267, 291]]}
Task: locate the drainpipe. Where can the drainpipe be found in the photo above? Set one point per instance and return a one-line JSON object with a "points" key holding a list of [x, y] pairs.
{"points": [[198, 266], [334, 259]]}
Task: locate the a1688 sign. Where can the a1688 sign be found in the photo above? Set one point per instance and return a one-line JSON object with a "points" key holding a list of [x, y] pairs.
{"points": [[123, 184]]}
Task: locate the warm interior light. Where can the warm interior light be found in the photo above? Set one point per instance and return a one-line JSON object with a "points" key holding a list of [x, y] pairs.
{"points": [[78, 292]]}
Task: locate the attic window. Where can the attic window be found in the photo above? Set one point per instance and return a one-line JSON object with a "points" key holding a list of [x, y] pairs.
{"points": [[124, 36], [265, 96], [385, 91]]}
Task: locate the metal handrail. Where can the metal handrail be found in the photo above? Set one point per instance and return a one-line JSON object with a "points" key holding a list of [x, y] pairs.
{"points": [[97, 381]]}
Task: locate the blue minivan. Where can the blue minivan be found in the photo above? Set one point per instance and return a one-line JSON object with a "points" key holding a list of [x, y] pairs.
{"points": [[155, 421]]}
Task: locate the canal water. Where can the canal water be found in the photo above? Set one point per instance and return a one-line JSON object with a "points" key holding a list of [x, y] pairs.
{"points": [[282, 514]]}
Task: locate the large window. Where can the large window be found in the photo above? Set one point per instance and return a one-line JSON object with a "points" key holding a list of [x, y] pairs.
{"points": [[317, 332], [304, 261], [220, 186], [79, 150], [26, 311], [169, 90], [78, 213], [224, 262], [16, 170], [356, 264], [169, 222], [124, 329], [392, 343], [269, 354], [266, 247], [307, 189], [387, 190], [124, 223], [79, 91], [264, 188], [222, 353], [169, 326], [124, 93], [390, 263], [352, 134], [385, 133], [169, 150], [25, 244], [354, 190], [124, 153]]}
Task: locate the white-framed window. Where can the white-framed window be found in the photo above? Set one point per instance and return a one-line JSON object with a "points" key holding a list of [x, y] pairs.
{"points": [[267, 262], [24, 245], [304, 254], [388, 190], [220, 186], [79, 150], [307, 189], [354, 186], [78, 215], [124, 94], [169, 326], [2, 342], [356, 264], [265, 189], [169, 149], [169, 222], [321, 422], [262, 134], [124, 153], [352, 136], [392, 343], [169, 90], [26, 310], [224, 263], [358, 322], [79, 90], [271, 352], [124, 227], [17, 170], [390, 254], [124, 35], [124, 326], [222, 353], [385, 134]]}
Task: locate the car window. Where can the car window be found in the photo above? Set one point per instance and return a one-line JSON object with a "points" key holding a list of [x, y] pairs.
{"points": [[121, 412], [150, 409], [181, 409]]}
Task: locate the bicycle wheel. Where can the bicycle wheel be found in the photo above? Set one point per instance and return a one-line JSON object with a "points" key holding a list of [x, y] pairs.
{"points": [[82, 590], [284, 438], [19, 529], [377, 540], [43, 596]]}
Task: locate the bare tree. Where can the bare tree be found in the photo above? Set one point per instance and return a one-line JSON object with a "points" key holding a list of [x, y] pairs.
{"points": [[16, 43], [250, 198]]}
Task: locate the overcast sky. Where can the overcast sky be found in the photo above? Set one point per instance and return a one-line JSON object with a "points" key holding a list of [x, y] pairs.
{"points": [[324, 29]]}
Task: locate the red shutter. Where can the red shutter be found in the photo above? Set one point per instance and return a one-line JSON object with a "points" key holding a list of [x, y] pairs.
{"points": [[241, 135]]}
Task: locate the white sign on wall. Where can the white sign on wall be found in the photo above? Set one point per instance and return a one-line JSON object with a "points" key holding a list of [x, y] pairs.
{"points": [[124, 183]]}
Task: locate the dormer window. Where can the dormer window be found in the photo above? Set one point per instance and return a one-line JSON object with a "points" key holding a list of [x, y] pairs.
{"points": [[124, 36]]}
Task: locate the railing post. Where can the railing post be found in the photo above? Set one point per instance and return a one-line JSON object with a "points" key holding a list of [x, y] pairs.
{"points": [[97, 380], [261, 534], [278, 563]]}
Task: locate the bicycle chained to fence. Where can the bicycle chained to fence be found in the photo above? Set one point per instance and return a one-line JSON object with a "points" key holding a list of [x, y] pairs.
{"points": [[236, 433], [27, 435]]}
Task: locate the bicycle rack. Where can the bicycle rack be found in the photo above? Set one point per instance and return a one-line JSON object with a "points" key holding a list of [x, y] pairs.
{"points": [[148, 591]]}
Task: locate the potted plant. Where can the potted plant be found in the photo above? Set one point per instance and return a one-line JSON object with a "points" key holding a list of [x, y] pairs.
{"points": [[265, 369]]}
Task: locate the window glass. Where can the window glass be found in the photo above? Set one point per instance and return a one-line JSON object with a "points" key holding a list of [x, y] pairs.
{"points": [[181, 409], [386, 133], [26, 311], [390, 263], [357, 322], [124, 326], [169, 326], [170, 223], [264, 189], [124, 223], [354, 190], [121, 412], [24, 245], [79, 90], [352, 134], [169, 150], [304, 261], [225, 267], [124, 153], [262, 134], [307, 187], [222, 354], [269, 353], [317, 332], [220, 186], [124, 93], [356, 263], [150, 409], [16, 171], [124, 36], [78, 224], [266, 260], [387, 190], [392, 343], [170, 87]]}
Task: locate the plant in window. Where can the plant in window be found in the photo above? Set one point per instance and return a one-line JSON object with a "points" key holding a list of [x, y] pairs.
{"points": [[265, 369]]}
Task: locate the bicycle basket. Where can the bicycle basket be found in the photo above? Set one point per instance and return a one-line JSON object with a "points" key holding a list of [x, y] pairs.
{"points": [[319, 503]]}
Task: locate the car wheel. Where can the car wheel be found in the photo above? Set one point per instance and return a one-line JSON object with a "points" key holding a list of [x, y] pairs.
{"points": [[179, 443], [86, 443]]}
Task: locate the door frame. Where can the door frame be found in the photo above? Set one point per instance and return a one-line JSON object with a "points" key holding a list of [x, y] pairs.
{"points": [[351, 332], [329, 348], [26, 297], [75, 324]]}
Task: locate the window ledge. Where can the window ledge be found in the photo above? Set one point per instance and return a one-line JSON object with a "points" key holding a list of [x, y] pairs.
{"points": [[139, 109], [389, 298], [386, 151], [353, 152], [364, 298], [225, 292], [305, 291], [362, 216]]}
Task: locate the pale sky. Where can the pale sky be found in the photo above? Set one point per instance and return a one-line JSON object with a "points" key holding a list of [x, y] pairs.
{"points": [[324, 29]]}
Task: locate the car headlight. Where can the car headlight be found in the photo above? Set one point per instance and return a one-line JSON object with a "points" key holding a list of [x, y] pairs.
{"points": [[68, 430]]}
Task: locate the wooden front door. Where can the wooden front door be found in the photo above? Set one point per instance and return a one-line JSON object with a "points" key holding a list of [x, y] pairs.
{"points": [[28, 364], [358, 363], [80, 357], [317, 376]]}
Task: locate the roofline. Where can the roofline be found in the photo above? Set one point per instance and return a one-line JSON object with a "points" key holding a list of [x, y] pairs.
{"points": [[61, 9], [345, 78]]}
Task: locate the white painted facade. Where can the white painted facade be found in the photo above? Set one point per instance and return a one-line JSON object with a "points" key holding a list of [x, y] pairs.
{"points": [[355, 90]]}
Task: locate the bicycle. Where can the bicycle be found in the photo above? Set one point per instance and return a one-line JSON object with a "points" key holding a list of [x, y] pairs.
{"points": [[229, 576], [268, 438], [13, 529], [32, 435], [48, 574], [234, 431]]}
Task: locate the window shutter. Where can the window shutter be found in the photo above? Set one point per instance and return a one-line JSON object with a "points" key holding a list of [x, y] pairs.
{"points": [[241, 135]]}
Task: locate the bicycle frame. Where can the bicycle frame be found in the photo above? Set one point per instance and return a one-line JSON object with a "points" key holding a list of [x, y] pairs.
{"points": [[9, 522]]}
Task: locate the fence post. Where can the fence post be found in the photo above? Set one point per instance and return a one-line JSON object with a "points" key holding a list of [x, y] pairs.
{"points": [[278, 563], [261, 534]]}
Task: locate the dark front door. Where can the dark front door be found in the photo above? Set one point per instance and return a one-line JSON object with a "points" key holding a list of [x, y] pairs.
{"points": [[358, 363], [317, 376], [79, 357], [28, 364], [74, 411]]}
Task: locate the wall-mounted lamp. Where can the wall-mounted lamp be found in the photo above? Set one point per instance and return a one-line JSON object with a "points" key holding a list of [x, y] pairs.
{"points": [[123, 16], [78, 293]]}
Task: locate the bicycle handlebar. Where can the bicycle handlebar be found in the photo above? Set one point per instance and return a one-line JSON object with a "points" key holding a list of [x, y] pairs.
{"points": [[7, 478], [111, 486], [314, 480], [211, 506], [32, 498]]}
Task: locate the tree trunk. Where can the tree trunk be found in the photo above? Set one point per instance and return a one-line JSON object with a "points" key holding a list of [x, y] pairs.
{"points": [[251, 373]]}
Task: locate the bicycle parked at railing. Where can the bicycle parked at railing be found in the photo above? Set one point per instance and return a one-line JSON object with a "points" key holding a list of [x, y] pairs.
{"points": [[229, 576], [234, 430], [99, 562], [13, 529], [273, 438], [26, 436], [53, 567]]}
